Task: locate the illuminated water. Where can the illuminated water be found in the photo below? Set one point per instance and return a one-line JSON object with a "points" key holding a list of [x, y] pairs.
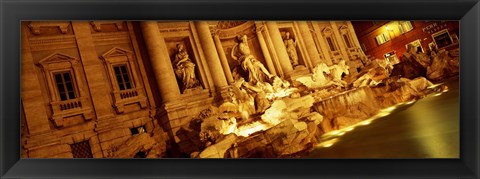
{"points": [[428, 128]]}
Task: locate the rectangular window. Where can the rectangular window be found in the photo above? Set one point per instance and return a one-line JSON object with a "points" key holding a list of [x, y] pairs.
{"points": [[137, 130], [442, 39], [347, 40], [405, 26], [123, 78], [382, 38], [331, 44], [64, 84], [81, 150]]}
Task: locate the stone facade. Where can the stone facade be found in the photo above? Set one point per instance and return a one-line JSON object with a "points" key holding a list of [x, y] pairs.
{"points": [[105, 82]]}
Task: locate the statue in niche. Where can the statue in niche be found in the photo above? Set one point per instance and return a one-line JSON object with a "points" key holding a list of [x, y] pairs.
{"points": [[291, 45], [256, 71], [184, 68]]}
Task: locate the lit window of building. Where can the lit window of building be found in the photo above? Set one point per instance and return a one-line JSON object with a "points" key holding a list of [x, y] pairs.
{"points": [[382, 38], [404, 26]]}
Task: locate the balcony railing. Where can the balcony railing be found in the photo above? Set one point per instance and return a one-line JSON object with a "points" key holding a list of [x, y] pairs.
{"points": [[68, 108], [128, 93], [130, 96], [70, 104]]}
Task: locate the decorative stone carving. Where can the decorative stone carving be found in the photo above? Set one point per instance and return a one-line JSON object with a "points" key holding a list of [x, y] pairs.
{"points": [[338, 70], [259, 27], [317, 79], [52, 43], [97, 25], [374, 73], [229, 24], [36, 25], [256, 71], [247, 28], [184, 69], [291, 46], [443, 65]]}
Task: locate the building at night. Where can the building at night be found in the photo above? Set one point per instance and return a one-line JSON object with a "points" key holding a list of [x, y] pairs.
{"points": [[388, 39], [89, 87]]}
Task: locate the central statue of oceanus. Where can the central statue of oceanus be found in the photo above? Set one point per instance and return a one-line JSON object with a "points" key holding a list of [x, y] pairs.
{"points": [[256, 71]]}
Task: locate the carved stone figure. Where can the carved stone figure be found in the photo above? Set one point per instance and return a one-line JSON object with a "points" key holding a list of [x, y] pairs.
{"points": [[318, 79], [256, 71], [338, 70], [184, 68], [258, 92], [443, 65], [291, 44], [412, 64], [374, 73]]}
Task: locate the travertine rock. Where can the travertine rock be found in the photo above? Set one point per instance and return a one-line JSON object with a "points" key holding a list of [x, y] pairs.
{"points": [[218, 150], [135, 144]]}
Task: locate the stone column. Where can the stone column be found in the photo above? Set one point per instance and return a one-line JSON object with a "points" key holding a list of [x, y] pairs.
{"points": [[309, 43], [33, 105], [97, 83], [323, 45], [263, 45], [213, 60], [279, 47], [223, 58], [353, 34], [161, 64], [273, 54]]}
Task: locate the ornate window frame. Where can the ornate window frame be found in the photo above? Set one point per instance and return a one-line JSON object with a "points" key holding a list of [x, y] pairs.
{"points": [[345, 31], [59, 62], [327, 33], [118, 56], [353, 50]]}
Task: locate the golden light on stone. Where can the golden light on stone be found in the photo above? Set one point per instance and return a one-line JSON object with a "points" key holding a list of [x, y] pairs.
{"points": [[209, 89]]}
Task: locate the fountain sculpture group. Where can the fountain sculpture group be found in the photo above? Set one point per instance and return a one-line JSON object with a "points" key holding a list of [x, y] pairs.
{"points": [[267, 116]]}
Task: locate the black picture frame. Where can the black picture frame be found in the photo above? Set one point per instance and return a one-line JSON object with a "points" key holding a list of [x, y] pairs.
{"points": [[14, 11]]}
